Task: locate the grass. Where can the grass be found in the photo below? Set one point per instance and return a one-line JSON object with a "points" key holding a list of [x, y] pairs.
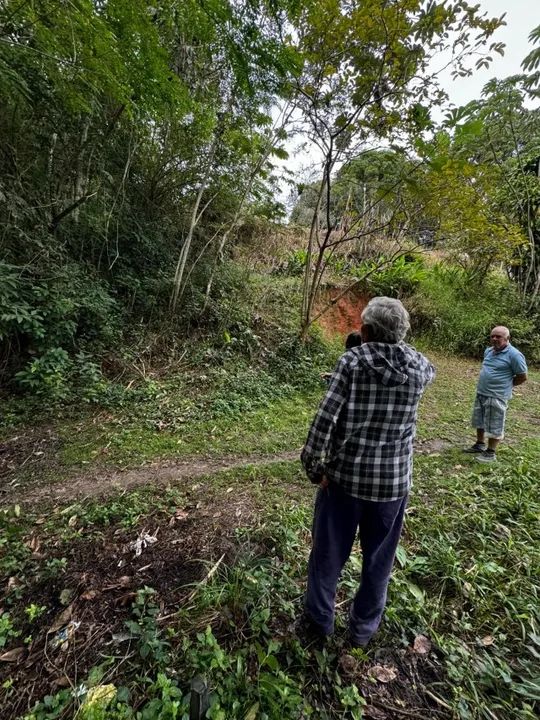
{"points": [[466, 575], [281, 425]]}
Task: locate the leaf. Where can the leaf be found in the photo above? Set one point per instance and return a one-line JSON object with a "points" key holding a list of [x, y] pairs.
{"points": [[98, 698], [14, 583], [422, 645], [34, 544], [401, 556], [272, 663], [122, 582], [348, 664], [15, 655], [252, 712], [62, 619], [181, 515], [281, 153], [383, 673], [416, 591], [66, 596]]}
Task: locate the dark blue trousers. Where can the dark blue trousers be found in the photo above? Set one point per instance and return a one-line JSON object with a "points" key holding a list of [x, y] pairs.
{"points": [[337, 519]]}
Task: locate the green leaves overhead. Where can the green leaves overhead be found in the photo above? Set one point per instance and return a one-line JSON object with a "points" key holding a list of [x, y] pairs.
{"points": [[368, 58], [78, 53]]}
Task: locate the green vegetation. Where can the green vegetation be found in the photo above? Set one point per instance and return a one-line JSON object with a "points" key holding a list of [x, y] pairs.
{"points": [[466, 578], [138, 149], [157, 317], [454, 315]]}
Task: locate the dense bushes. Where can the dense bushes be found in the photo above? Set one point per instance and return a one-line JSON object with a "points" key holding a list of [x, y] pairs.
{"points": [[453, 315], [121, 170], [53, 326], [448, 310]]}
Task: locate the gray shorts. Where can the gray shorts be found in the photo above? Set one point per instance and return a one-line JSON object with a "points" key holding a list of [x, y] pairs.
{"points": [[489, 414]]}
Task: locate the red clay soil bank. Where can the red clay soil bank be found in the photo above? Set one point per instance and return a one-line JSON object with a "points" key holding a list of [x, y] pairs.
{"points": [[344, 316]]}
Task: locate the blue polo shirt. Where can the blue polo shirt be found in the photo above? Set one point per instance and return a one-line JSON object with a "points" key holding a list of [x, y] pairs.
{"points": [[498, 370]]}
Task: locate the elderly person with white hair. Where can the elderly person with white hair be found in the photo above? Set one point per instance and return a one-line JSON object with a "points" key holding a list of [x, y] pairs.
{"points": [[359, 451], [503, 368]]}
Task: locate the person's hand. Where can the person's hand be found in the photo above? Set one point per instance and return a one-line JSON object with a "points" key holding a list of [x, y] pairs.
{"points": [[325, 482]]}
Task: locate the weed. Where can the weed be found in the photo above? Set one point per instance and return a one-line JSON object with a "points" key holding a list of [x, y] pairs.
{"points": [[54, 568], [466, 576], [152, 647], [7, 629], [34, 611]]}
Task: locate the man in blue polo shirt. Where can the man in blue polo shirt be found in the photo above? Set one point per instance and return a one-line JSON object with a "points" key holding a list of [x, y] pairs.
{"points": [[503, 368]]}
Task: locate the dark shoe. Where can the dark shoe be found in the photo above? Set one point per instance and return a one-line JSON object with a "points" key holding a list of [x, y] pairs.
{"points": [[488, 456], [476, 449], [308, 632], [353, 644]]}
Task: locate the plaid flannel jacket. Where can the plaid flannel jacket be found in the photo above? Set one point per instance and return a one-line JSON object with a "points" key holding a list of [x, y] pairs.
{"points": [[362, 435]]}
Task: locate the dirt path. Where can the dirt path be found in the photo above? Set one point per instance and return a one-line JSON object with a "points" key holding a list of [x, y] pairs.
{"points": [[104, 481]]}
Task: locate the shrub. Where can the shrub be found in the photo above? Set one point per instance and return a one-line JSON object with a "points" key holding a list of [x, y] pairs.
{"points": [[398, 279], [451, 314]]}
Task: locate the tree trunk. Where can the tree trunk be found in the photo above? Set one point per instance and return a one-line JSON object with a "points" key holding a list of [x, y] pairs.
{"points": [[195, 217]]}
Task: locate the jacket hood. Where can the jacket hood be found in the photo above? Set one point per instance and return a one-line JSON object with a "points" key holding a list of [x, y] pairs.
{"points": [[390, 363]]}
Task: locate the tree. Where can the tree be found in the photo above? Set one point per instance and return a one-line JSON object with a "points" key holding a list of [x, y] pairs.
{"points": [[496, 141], [131, 136], [365, 78]]}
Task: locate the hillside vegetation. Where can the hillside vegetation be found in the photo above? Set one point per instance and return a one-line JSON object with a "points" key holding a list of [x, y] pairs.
{"points": [[164, 324], [90, 624]]}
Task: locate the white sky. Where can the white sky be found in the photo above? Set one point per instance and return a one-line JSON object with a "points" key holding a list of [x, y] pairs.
{"points": [[522, 16]]}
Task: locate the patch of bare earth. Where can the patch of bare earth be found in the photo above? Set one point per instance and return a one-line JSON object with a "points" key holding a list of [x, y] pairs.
{"points": [[431, 447], [343, 312], [38, 451], [25, 453], [88, 604], [396, 682], [100, 482]]}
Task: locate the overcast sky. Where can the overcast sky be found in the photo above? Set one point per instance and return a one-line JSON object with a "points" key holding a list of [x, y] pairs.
{"points": [[521, 16]]}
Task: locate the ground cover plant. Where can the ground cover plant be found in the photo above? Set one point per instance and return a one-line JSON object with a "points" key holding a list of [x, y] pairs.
{"points": [[93, 630], [160, 356]]}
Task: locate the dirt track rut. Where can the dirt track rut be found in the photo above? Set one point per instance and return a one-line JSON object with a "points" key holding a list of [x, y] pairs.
{"points": [[103, 482]]}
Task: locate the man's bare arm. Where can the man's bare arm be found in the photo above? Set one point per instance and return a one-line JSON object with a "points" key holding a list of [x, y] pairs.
{"points": [[519, 379]]}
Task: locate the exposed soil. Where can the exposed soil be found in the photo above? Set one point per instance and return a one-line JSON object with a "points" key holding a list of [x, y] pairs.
{"points": [[343, 316], [105, 481], [88, 607], [90, 603], [407, 693], [24, 451]]}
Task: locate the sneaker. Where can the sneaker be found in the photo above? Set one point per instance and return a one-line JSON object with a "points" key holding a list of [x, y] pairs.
{"points": [[476, 449], [488, 456]]}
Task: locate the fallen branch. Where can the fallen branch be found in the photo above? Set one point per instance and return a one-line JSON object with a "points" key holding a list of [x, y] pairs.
{"points": [[437, 699], [400, 711]]}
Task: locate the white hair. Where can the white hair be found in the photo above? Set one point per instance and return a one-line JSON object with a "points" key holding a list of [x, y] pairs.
{"points": [[387, 318], [502, 329]]}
